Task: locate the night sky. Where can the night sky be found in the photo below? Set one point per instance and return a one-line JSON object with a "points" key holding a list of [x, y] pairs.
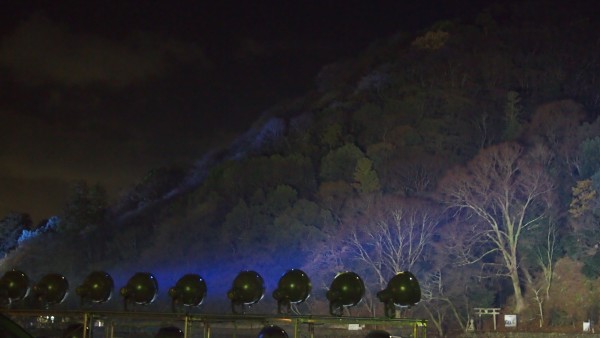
{"points": [[105, 91]]}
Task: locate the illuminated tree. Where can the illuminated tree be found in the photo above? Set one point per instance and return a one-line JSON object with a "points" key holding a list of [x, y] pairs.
{"points": [[390, 237], [583, 208], [11, 228], [543, 245], [394, 238], [557, 126], [301, 227], [432, 40], [584, 198], [450, 289], [448, 293], [366, 179], [499, 194], [274, 223], [585, 220], [332, 136], [339, 164], [244, 228]]}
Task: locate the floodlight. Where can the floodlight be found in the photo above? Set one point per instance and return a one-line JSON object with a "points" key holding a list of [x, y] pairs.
{"points": [[378, 334], [189, 290], [141, 289], [14, 286], [346, 290], [248, 288], [97, 287], [402, 290], [272, 331], [51, 289], [293, 287], [169, 332]]}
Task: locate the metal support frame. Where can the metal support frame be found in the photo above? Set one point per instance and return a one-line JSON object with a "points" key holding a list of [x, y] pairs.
{"points": [[112, 320]]}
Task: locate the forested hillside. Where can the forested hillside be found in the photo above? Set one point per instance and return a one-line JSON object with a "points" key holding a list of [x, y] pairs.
{"points": [[468, 153]]}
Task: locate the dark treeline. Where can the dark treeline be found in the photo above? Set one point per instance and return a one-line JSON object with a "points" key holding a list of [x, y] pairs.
{"points": [[467, 153]]}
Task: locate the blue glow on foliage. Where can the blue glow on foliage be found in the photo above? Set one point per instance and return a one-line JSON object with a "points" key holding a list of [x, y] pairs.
{"points": [[218, 276], [51, 225]]}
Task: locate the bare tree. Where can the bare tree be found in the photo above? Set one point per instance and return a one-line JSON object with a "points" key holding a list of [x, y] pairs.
{"points": [[501, 192], [544, 258], [396, 238], [559, 126], [449, 288], [418, 175], [437, 303]]}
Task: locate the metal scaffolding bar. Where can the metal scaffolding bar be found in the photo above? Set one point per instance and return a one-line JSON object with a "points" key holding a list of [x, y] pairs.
{"points": [[112, 320]]}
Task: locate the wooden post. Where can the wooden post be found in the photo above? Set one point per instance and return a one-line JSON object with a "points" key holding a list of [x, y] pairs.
{"points": [[186, 327]]}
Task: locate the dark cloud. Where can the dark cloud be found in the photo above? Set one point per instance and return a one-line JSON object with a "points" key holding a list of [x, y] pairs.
{"points": [[40, 160], [105, 108], [41, 197], [104, 91], [40, 51]]}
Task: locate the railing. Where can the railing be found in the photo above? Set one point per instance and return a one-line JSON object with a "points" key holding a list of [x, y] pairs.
{"points": [[109, 323]]}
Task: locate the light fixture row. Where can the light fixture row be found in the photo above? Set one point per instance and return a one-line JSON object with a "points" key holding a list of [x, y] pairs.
{"points": [[346, 290]]}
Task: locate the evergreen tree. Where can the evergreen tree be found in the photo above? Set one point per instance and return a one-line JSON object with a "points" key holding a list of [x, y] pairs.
{"points": [[366, 180]]}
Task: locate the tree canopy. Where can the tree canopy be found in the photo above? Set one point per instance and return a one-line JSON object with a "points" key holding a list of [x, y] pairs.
{"points": [[467, 153]]}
